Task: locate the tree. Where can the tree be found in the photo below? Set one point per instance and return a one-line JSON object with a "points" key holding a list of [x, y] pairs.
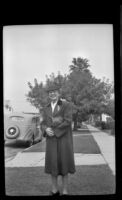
{"points": [[77, 85], [110, 108], [89, 95], [59, 80], [101, 91], [37, 95]]}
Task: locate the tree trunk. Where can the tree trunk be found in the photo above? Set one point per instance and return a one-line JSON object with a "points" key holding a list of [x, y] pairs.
{"points": [[75, 121], [100, 117], [75, 125]]}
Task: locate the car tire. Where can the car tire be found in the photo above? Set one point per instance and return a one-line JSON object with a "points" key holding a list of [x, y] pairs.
{"points": [[17, 131], [31, 142]]}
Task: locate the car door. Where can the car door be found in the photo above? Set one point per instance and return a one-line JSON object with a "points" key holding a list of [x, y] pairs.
{"points": [[36, 128]]}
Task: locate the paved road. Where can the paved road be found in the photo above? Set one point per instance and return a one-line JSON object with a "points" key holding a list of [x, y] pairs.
{"points": [[12, 149]]}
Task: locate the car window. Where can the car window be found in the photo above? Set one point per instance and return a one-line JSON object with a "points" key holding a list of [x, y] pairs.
{"points": [[35, 120], [17, 118]]}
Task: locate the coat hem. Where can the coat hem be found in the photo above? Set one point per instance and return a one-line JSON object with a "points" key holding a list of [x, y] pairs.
{"points": [[60, 174]]}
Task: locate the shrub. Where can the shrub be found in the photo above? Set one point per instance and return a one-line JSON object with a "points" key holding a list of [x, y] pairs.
{"points": [[107, 125], [113, 131], [98, 124], [78, 125], [111, 125], [103, 125]]}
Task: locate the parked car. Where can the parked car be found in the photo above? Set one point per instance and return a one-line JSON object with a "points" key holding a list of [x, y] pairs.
{"points": [[23, 127]]}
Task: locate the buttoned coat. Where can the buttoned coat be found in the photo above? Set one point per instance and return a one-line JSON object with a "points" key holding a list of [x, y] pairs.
{"points": [[59, 156]]}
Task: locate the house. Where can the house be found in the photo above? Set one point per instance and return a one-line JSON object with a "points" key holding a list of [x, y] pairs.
{"points": [[7, 106]]}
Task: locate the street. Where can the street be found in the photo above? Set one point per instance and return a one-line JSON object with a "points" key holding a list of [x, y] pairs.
{"points": [[11, 149]]}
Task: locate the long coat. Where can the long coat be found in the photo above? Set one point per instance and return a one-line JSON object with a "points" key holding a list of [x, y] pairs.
{"points": [[59, 157]]}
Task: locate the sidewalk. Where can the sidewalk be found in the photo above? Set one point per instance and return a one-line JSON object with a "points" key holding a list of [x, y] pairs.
{"points": [[106, 144]]}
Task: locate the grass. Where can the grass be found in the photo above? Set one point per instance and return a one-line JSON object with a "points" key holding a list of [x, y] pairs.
{"points": [[108, 131], [82, 144], [85, 144], [85, 181], [83, 131]]}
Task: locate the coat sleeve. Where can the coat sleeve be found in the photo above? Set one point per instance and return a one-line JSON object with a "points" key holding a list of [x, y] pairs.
{"points": [[67, 119], [44, 124]]}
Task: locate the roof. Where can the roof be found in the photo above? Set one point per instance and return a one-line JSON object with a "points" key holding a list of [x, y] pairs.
{"points": [[27, 115]]}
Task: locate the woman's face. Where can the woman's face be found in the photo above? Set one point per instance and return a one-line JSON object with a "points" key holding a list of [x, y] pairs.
{"points": [[54, 95]]}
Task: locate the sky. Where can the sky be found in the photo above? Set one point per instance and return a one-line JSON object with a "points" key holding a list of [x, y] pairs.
{"points": [[34, 51]]}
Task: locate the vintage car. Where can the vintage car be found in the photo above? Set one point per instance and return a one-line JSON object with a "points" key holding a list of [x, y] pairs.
{"points": [[24, 127]]}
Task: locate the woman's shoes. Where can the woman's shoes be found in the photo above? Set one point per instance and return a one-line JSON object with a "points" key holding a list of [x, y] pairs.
{"points": [[57, 194], [54, 194]]}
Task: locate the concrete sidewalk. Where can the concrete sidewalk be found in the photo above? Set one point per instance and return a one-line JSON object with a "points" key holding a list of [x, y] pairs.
{"points": [[106, 144]]}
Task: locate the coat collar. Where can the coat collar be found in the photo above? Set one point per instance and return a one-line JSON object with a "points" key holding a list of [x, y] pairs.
{"points": [[59, 104]]}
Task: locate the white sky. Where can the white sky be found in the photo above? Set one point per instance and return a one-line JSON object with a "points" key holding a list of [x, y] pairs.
{"points": [[32, 51]]}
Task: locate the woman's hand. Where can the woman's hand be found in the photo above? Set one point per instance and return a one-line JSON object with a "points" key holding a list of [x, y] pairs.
{"points": [[49, 131]]}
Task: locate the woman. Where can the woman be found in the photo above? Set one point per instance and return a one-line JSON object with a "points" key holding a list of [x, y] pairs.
{"points": [[56, 127]]}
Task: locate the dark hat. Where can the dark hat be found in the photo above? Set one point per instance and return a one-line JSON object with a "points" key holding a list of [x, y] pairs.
{"points": [[53, 88]]}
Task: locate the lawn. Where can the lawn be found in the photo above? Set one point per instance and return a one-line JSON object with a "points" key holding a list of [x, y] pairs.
{"points": [[82, 144], [85, 144], [86, 181]]}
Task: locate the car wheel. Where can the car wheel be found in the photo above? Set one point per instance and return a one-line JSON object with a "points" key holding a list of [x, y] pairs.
{"points": [[12, 132], [31, 142]]}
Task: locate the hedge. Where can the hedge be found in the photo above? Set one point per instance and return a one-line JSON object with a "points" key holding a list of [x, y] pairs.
{"points": [[105, 125]]}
